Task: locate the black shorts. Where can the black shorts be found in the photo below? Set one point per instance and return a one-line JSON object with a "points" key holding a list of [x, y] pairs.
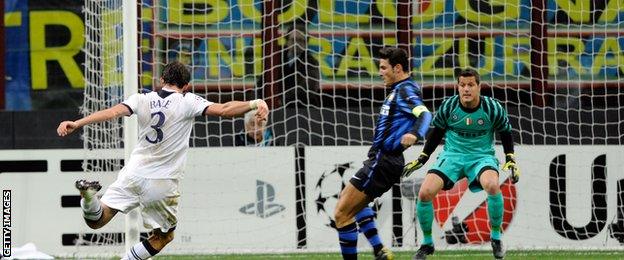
{"points": [[379, 173]]}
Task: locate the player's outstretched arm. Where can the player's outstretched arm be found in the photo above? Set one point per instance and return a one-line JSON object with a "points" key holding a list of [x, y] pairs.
{"points": [[238, 108], [68, 127]]}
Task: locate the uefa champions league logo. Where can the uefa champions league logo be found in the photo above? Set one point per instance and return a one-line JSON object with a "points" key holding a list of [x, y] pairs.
{"points": [[328, 188]]}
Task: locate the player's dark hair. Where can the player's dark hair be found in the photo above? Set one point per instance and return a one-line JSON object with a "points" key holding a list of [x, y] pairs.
{"points": [[176, 73], [468, 73], [395, 56]]}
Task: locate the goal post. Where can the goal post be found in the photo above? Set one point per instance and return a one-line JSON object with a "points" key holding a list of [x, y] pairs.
{"points": [[130, 86]]}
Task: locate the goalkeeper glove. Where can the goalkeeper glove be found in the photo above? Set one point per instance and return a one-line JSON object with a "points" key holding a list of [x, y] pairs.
{"points": [[414, 165], [510, 165]]}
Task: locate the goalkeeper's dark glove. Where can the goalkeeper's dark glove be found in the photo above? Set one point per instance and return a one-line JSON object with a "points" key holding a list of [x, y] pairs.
{"points": [[414, 165], [510, 165]]}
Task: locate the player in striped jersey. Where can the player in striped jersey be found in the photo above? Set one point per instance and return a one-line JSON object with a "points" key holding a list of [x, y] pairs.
{"points": [[150, 177], [402, 121], [468, 122]]}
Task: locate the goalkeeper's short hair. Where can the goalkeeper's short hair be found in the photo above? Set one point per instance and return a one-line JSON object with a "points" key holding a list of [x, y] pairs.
{"points": [[468, 72]]}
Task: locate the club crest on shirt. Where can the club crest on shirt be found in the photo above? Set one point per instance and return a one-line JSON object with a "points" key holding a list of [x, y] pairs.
{"points": [[480, 121], [468, 121]]}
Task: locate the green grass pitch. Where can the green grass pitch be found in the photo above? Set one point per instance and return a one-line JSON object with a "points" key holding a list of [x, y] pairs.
{"points": [[469, 254]]}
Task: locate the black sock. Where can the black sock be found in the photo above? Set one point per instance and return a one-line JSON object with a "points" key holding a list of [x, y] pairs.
{"points": [[347, 236]]}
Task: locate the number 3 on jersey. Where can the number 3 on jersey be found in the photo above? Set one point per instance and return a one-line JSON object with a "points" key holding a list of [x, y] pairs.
{"points": [[156, 127]]}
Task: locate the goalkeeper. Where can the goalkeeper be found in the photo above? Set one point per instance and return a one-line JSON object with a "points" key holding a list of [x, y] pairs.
{"points": [[468, 121]]}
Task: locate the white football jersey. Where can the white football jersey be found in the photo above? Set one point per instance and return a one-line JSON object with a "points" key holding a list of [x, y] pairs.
{"points": [[165, 121]]}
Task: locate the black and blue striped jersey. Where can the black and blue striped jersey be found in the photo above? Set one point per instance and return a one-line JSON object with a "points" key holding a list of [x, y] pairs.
{"points": [[402, 112]]}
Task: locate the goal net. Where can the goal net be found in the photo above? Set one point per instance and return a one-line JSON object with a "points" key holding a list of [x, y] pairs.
{"points": [[555, 65]]}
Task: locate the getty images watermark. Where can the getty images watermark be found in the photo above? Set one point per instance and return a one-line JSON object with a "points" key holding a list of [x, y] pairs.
{"points": [[6, 223]]}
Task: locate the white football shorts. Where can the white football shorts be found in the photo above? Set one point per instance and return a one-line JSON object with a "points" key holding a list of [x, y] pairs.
{"points": [[158, 199]]}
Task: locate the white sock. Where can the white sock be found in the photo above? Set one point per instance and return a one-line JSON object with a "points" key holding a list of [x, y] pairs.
{"points": [[91, 209], [140, 251]]}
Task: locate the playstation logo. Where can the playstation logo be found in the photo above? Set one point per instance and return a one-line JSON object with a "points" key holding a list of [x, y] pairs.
{"points": [[264, 206]]}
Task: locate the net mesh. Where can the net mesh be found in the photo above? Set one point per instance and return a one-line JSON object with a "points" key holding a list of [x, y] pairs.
{"points": [[556, 66], [104, 78]]}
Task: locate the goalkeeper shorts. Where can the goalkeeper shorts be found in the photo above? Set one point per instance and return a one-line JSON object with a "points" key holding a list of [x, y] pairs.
{"points": [[158, 198], [453, 167], [379, 173]]}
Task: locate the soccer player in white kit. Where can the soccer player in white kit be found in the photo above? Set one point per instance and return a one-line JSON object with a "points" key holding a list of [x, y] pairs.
{"points": [[150, 177]]}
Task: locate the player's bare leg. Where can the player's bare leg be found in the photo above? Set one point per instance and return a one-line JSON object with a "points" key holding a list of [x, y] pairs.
{"points": [[150, 247], [95, 213], [351, 201], [159, 240], [489, 182]]}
